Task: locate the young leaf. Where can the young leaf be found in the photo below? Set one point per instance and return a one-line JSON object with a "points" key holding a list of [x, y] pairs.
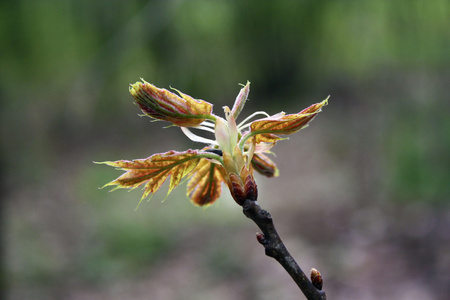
{"points": [[240, 100], [204, 186], [264, 165], [266, 129], [163, 105], [154, 170]]}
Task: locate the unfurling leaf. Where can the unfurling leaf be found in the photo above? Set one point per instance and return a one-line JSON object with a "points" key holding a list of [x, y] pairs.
{"points": [[154, 170], [266, 130], [204, 186], [264, 165], [163, 105], [240, 100]]}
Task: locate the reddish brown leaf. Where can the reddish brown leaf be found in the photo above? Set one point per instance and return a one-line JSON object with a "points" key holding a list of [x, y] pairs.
{"points": [[204, 186], [264, 165], [266, 130], [154, 170], [164, 105]]}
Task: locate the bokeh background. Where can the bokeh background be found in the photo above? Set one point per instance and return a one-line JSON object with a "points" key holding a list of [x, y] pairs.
{"points": [[363, 193]]}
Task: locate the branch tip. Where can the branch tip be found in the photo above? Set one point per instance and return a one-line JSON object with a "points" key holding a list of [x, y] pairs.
{"points": [[275, 248]]}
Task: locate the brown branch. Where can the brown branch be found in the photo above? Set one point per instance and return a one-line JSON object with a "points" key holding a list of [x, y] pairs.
{"points": [[275, 248]]}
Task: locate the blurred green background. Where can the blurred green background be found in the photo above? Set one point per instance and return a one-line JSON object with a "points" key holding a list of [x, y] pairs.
{"points": [[363, 193]]}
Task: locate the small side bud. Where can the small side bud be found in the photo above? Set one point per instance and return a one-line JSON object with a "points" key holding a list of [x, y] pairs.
{"points": [[261, 238], [316, 279]]}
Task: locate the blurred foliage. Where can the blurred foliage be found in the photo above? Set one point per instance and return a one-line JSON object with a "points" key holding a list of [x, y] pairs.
{"points": [[64, 70], [418, 151], [65, 64]]}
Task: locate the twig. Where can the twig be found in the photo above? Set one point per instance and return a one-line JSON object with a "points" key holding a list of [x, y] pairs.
{"points": [[275, 248]]}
